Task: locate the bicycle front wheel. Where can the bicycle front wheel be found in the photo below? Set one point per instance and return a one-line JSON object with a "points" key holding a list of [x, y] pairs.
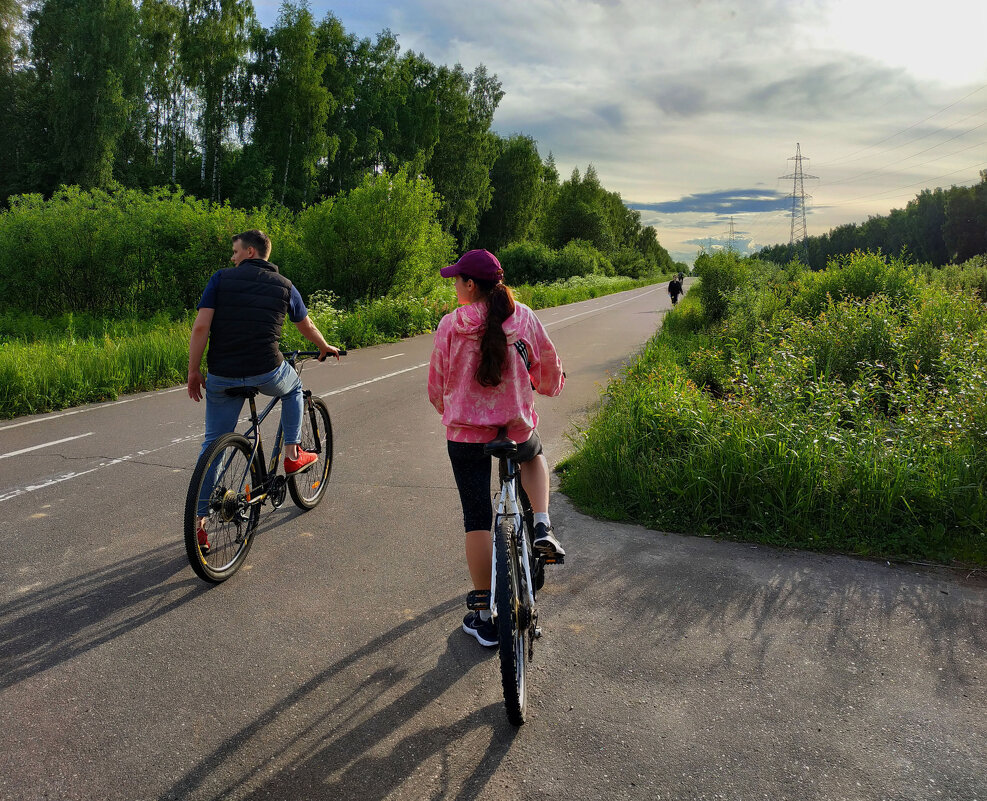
{"points": [[220, 492], [537, 561], [308, 488], [513, 619]]}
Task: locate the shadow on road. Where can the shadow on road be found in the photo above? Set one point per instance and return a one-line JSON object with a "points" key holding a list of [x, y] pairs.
{"points": [[314, 744], [52, 624], [756, 596]]}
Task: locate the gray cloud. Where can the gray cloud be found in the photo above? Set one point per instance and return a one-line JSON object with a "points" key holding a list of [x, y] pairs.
{"points": [[832, 89], [682, 99]]}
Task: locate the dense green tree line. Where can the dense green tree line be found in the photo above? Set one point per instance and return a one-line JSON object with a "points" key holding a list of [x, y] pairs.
{"points": [[941, 226], [197, 95]]}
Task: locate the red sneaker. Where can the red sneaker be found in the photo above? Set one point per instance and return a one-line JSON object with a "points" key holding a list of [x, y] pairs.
{"points": [[203, 539], [304, 461]]}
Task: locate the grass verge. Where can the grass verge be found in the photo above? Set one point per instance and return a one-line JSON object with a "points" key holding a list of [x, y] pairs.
{"points": [[836, 411]]}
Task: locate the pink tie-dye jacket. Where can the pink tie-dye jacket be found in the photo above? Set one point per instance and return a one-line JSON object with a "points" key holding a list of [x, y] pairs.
{"points": [[471, 412]]}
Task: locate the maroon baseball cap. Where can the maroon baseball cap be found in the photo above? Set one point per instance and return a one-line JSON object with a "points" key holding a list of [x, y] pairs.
{"points": [[481, 264]]}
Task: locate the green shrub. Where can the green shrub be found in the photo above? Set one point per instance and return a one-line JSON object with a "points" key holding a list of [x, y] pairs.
{"points": [[579, 257], [708, 370], [527, 263], [857, 275], [382, 238], [121, 254], [970, 276], [720, 274], [535, 263]]}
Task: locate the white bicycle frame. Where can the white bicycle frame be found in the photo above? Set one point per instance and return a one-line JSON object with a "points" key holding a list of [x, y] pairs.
{"points": [[508, 506]]}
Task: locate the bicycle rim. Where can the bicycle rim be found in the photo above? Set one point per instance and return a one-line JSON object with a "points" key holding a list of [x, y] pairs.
{"points": [[220, 491], [512, 628], [308, 488]]}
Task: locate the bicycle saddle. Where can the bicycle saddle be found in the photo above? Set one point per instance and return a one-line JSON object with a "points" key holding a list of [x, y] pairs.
{"points": [[243, 392], [500, 448]]}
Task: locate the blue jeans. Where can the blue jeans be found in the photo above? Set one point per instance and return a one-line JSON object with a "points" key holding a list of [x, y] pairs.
{"points": [[223, 411]]}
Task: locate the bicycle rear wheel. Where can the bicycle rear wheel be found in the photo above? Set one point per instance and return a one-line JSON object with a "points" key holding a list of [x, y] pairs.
{"points": [[513, 622], [308, 488], [220, 492]]}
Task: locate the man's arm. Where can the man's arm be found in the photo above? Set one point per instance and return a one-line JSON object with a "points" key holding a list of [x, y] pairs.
{"points": [[309, 330], [197, 347]]}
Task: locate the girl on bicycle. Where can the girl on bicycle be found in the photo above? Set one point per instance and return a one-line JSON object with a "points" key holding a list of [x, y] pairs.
{"points": [[489, 356]]}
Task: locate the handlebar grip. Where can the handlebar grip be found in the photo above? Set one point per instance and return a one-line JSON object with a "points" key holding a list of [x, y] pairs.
{"points": [[315, 353]]}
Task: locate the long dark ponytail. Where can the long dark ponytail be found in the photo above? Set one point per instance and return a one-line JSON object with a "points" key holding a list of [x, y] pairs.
{"points": [[493, 345]]}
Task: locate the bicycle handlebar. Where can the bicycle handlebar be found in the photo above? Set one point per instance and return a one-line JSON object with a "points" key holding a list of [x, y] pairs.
{"points": [[291, 355]]}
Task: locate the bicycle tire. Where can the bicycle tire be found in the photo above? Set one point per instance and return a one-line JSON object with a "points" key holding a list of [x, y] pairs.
{"points": [[307, 489], [511, 623], [230, 522], [537, 566]]}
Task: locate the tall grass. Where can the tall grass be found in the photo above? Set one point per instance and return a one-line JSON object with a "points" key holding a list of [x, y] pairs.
{"points": [[852, 419], [53, 363], [49, 374]]}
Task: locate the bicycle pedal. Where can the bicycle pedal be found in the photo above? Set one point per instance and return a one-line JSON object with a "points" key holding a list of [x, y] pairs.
{"points": [[478, 599], [555, 559]]}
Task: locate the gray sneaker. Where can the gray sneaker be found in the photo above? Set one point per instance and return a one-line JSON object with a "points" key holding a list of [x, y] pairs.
{"points": [[484, 630], [545, 542]]}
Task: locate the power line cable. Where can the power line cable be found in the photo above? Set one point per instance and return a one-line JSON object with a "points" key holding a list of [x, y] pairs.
{"points": [[904, 130], [933, 133], [914, 166], [926, 181]]}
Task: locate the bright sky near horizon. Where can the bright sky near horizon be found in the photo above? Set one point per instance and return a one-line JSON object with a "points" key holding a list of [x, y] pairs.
{"points": [[691, 109]]}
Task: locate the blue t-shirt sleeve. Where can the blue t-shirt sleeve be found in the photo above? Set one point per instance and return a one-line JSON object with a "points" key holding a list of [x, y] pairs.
{"points": [[208, 300], [297, 311]]}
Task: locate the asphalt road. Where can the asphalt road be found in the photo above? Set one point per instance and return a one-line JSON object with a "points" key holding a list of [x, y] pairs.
{"points": [[333, 666]]}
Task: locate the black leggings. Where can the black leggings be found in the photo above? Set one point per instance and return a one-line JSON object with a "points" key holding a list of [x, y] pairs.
{"points": [[472, 471]]}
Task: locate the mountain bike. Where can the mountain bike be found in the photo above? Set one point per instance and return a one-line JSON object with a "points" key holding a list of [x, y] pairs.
{"points": [[232, 481], [516, 575]]}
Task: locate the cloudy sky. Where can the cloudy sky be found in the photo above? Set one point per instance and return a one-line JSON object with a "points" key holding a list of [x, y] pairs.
{"points": [[692, 109]]}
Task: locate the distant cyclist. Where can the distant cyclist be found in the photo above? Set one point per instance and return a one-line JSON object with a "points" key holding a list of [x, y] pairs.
{"points": [[478, 380], [240, 315]]}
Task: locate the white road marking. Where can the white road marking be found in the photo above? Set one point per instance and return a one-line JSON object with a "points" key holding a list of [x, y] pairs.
{"points": [[601, 308], [49, 417], [372, 380], [16, 492], [45, 445], [385, 358]]}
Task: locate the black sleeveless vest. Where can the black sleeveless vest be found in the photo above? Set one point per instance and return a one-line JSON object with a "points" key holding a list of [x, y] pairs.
{"points": [[251, 303]]}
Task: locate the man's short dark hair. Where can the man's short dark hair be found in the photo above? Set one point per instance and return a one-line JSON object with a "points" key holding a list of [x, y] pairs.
{"points": [[257, 240]]}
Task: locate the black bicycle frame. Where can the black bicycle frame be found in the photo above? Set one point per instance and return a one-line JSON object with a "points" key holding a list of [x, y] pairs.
{"points": [[253, 433]]}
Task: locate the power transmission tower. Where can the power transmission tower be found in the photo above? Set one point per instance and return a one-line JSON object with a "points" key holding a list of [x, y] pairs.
{"points": [[731, 235], [798, 197]]}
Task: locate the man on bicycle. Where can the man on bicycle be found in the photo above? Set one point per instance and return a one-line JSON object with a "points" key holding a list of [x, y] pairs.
{"points": [[240, 315]]}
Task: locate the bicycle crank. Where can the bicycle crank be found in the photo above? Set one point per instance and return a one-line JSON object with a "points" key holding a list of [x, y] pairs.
{"points": [[279, 487]]}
